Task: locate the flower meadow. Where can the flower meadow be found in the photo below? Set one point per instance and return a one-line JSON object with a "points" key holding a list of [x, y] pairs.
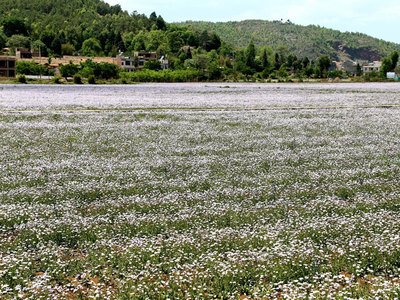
{"points": [[200, 191]]}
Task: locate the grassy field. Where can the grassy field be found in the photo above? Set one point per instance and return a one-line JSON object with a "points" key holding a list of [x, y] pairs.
{"points": [[296, 197]]}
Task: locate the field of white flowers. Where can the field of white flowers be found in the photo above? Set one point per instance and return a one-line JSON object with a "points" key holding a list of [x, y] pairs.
{"points": [[200, 191]]}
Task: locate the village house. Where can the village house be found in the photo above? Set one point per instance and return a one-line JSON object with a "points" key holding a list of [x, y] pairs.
{"points": [[372, 67], [23, 53], [126, 62], [7, 66], [142, 57], [139, 59]]}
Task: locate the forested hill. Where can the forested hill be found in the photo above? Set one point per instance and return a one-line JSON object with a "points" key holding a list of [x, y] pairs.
{"points": [[57, 22], [310, 41]]}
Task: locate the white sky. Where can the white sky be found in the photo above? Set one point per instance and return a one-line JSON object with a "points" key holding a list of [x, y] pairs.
{"points": [[380, 19]]}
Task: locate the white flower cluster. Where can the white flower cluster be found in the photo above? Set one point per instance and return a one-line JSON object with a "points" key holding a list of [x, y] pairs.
{"points": [[182, 191]]}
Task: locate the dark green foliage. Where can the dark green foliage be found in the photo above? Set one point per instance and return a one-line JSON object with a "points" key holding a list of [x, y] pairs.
{"points": [[69, 70], [209, 41], [386, 66], [389, 64], [163, 76], [91, 79], [152, 65], [264, 59], [18, 41], [101, 70], [359, 70], [57, 80], [91, 47], [323, 65], [31, 68], [59, 22], [21, 79], [251, 55], [77, 79], [14, 25], [160, 23], [394, 59]]}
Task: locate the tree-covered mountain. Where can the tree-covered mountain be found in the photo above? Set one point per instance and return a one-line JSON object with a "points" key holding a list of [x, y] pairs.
{"points": [[304, 41], [92, 28], [59, 23]]}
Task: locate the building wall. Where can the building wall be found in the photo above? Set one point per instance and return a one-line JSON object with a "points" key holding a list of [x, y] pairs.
{"points": [[7, 66]]}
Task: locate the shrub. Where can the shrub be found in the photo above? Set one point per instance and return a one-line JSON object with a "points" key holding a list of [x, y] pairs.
{"points": [[31, 68], [165, 76], [91, 79], [21, 79], [57, 80], [69, 70], [77, 79]]}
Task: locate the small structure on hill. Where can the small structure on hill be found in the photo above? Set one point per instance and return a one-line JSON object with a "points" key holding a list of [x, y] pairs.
{"points": [[372, 67], [126, 62]]}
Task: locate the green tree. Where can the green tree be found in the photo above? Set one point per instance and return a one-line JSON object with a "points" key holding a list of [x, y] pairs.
{"points": [[69, 70], [323, 65], [264, 59], [152, 64], [160, 23], [67, 49], [358, 70], [386, 66], [394, 59], [30, 68], [14, 26], [250, 55], [39, 46], [18, 41], [91, 47]]}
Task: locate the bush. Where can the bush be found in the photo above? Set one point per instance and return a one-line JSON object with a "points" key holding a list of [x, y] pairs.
{"points": [[99, 70], [31, 68], [77, 79], [91, 79], [152, 65], [21, 79], [165, 76], [69, 70], [57, 80]]}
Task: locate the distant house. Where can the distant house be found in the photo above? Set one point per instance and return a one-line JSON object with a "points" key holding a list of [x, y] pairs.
{"points": [[7, 66], [138, 60], [23, 53], [350, 67], [126, 62], [142, 57], [372, 67]]}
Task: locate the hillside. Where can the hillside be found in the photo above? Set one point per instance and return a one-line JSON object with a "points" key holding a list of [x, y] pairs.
{"points": [[57, 22], [310, 41]]}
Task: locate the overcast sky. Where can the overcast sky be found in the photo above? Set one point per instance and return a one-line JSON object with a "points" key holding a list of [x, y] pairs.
{"points": [[377, 18]]}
